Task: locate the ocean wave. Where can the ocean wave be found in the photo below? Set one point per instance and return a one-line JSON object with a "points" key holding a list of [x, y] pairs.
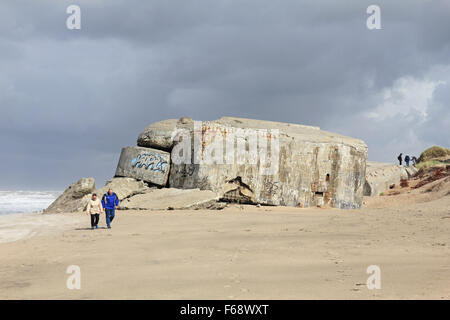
{"points": [[26, 201]]}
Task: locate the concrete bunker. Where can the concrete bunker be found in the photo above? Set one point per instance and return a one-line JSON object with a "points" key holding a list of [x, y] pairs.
{"points": [[302, 165]]}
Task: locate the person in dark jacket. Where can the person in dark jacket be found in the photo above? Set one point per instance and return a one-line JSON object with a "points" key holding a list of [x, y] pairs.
{"points": [[400, 158], [110, 202], [407, 160]]}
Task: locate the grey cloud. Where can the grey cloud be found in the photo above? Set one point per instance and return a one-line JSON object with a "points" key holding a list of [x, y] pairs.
{"points": [[71, 99]]}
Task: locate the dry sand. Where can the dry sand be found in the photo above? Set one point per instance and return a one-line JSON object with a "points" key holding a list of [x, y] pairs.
{"points": [[241, 252]]}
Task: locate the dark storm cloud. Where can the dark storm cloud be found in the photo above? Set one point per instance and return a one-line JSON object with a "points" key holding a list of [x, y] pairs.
{"points": [[70, 99]]}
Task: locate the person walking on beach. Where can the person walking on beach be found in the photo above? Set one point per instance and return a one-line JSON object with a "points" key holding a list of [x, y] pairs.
{"points": [[407, 160], [110, 202], [400, 158], [414, 161], [94, 208]]}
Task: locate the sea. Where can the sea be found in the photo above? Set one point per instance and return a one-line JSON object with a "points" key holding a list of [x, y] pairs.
{"points": [[12, 202]]}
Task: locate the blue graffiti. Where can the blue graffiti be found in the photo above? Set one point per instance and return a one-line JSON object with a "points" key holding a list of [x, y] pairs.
{"points": [[149, 161]]}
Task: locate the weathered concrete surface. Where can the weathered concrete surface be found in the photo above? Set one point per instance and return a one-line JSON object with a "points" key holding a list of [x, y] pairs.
{"points": [[171, 198], [316, 168], [74, 198], [380, 176], [160, 135], [145, 164], [123, 187]]}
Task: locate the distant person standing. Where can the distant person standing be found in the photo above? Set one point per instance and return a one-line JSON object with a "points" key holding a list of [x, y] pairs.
{"points": [[400, 159], [407, 160], [110, 202], [94, 208], [414, 160]]}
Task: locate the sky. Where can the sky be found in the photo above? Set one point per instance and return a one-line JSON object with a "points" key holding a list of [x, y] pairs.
{"points": [[71, 99]]}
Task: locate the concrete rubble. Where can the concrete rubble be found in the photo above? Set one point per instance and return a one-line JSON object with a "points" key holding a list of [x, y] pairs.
{"points": [[381, 176]]}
